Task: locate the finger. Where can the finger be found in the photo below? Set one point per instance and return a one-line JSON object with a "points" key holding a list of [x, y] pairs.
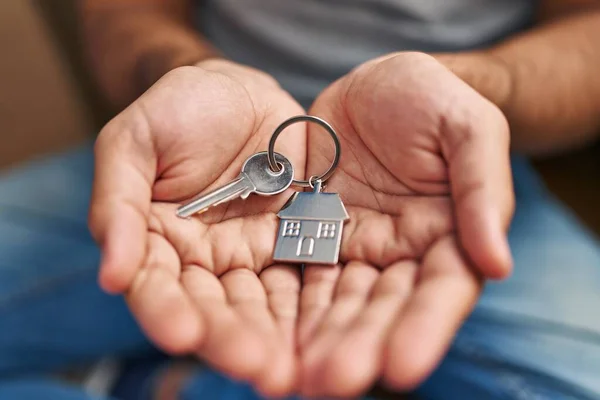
{"points": [[125, 165], [159, 303], [282, 285], [481, 184], [351, 293], [247, 296], [444, 294], [319, 283], [228, 344], [355, 361]]}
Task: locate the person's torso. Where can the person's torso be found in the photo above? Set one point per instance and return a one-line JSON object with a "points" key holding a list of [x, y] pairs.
{"points": [[306, 44]]}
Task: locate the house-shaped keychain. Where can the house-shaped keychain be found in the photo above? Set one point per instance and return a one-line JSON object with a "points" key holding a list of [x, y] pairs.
{"points": [[310, 228]]}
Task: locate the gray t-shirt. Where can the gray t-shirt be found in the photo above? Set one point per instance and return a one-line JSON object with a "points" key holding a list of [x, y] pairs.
{"points": [[306, 44]]}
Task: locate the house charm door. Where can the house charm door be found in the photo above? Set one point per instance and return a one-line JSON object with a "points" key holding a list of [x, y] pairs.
{"points": [[310, 228]]}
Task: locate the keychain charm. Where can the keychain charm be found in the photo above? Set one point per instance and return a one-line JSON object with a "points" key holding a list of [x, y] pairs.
{"points": [[311, 223], [310, 228]]}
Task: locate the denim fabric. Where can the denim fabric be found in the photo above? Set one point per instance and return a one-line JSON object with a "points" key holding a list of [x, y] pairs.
{"points": [[534, 336]]}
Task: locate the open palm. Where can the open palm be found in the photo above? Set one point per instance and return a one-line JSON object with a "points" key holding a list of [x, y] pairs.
{"points": [[424, 175], [426, 180], [200, 285]]}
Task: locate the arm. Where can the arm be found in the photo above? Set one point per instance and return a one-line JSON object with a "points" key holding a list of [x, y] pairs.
{"points": [[545, 80], [131, 43]]}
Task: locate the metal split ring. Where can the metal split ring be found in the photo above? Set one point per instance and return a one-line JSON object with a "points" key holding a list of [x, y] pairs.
{"points": [[308, 118]]}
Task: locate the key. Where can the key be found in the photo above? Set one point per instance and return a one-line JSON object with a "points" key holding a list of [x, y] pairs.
{"points": [[256, 177]]}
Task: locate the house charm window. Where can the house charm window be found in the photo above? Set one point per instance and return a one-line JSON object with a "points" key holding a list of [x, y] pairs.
{"points": [[291, 229], [326, 231]]}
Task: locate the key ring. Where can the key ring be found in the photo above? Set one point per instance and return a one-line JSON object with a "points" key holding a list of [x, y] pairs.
{"points": [[308, 118]]}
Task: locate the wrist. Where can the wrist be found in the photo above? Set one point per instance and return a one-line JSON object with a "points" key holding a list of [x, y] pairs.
{"points": [[243, 73], [485, 72], [152, 65]]}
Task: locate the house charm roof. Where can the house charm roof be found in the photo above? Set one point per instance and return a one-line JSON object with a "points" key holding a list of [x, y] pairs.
{"points": [[315, 206]]}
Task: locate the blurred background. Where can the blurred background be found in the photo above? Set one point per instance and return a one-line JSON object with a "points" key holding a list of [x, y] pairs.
{"points": [[42, 100], [48, 102]]}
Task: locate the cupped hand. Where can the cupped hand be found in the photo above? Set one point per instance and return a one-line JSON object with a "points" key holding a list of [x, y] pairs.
{"points": [[425, 176], [200, 285]]}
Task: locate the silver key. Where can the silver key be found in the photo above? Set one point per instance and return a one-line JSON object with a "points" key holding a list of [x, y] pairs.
{"points": [[256, 177]]}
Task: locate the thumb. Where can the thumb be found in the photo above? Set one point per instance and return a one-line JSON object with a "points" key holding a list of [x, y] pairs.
{"points": [[478, 156], [125, 168]]}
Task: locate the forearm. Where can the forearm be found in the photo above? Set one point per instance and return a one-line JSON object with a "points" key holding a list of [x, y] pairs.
{"points": [[546, 81], [130, 44]]}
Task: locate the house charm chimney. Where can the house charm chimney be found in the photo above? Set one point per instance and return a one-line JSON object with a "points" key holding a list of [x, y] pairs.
{"points": [[310, 228]]}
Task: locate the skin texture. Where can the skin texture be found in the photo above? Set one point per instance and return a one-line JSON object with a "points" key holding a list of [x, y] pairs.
{"points": [[424, 174], [413, 255], [426, 225], [545, 79], [198, 285], [130, 44]]}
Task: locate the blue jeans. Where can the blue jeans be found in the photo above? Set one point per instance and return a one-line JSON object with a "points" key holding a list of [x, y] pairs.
{"points": [[534, 336]]}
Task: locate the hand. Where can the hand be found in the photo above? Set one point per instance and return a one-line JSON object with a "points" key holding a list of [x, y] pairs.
{"points": [[200, 285], [425, 176]]}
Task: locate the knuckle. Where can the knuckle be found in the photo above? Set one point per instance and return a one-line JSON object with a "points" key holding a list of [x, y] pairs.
{"points": [[245, 74], [412, 59], [263, 77], [111, 137], [469, 120], [186, 79], [185, 72], [418, 56], [127, 132]]}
